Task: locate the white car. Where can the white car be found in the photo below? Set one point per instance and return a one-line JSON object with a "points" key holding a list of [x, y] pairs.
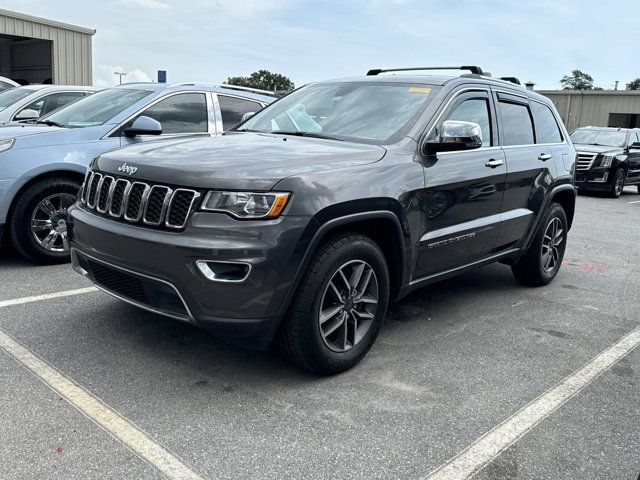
{"points": [[6, 83], [34, 101]]}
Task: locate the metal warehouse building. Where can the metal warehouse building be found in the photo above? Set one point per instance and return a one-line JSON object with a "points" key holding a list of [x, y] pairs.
{"points": [[36, 50], [598, 108]]}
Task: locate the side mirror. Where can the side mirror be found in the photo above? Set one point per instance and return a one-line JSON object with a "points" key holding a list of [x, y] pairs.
{"points": [[247, 116], [143, 126], [456, 135], [27, 114]]}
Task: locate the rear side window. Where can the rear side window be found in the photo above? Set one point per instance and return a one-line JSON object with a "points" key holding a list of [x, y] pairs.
{"points": [[547, 130], [517, 127], [475, 110], [233, 108]]}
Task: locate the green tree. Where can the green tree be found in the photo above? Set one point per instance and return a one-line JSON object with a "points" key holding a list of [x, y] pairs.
{"points": [[634, 84], [578, 80], [264, 80]]}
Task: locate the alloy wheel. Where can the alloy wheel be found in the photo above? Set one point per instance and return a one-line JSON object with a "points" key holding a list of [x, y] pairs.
{"points": [[551, 243], [49, 222], [619, 184], [348, 305]]}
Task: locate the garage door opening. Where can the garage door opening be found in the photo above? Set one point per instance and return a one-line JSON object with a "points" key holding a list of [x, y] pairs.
{"points": [[26, 60], [624, 120]]}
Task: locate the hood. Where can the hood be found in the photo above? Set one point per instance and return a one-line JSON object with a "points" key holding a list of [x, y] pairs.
{"points": [[237, 160], [29, 135], [581, 147]]}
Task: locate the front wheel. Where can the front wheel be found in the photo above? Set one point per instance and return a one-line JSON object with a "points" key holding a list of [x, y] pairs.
{"points": [[542, 261], [339, 307], [38, 223], [618, 184]]}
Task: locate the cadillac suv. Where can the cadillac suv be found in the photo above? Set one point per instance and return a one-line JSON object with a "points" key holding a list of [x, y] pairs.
{"points": [[307, 220]]}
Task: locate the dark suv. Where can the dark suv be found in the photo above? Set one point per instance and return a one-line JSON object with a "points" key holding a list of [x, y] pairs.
{"points": [[304, 223], [608, 159]]}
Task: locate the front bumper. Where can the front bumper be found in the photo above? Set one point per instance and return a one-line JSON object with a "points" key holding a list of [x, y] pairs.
{"points": [[593, 179], [156, 269]]}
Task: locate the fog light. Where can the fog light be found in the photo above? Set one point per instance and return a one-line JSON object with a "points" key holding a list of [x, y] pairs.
{"points": [[601, 179], [217, 271]]}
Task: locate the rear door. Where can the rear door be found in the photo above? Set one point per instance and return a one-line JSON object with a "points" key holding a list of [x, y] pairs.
{"points": [[531, 162], [463, 191]]}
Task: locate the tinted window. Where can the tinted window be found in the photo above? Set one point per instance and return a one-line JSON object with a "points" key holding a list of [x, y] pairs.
{"points": [[182, 113], [547, 130], [517, 128], [475, 110], [52, 102], [233, 108]]}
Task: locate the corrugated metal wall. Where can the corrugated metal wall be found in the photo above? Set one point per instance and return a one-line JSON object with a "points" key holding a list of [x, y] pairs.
{"points": [[71, 49], [581, 109]]}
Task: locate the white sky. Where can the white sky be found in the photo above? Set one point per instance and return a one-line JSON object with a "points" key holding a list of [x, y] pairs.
{"points": [[307, 40]]}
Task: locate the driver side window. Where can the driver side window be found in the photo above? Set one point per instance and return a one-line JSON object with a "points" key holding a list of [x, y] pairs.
{"points": [[475, 110], [179, 113]]}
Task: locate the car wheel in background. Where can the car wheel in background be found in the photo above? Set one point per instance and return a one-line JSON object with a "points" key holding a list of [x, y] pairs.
{"points": [[542, 261], [38, 222], [618, 184], [339, 306]]}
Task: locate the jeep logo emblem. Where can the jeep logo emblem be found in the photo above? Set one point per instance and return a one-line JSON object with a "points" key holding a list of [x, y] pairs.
{"points": [[128, 169]]}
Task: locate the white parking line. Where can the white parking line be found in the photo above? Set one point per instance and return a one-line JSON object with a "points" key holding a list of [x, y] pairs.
{"points": [[93, 408], [637, 201], [46, 296], [480, 453]]}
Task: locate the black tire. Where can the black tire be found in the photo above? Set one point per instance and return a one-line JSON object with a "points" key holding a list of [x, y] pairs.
{"points": [[530, 269], [19, 225], [300, 336], [618, 184]]}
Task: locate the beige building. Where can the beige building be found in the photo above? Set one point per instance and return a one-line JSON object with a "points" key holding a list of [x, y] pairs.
{"points": [[36, 50], [601, 108]]}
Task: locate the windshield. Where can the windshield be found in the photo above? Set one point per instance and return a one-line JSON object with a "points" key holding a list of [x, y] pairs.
{"points": [[367, 112], [96, 109], [607, 138], [9, 97]]}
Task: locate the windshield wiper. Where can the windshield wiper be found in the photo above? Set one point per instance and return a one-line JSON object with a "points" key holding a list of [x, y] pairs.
{"points": [[50, 123], [305, 134]]}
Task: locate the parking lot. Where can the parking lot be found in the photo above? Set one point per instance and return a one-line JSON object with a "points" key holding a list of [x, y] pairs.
{"points": [[452, 362]]}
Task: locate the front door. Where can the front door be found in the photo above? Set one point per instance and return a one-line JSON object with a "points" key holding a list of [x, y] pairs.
{"points": [[633, 155], [463, 192]]}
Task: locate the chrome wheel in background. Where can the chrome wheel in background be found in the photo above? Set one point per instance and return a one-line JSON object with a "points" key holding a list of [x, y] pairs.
{"points": [[49, 222], [348, 306]]}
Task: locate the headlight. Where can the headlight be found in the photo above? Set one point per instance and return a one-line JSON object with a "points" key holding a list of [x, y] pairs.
{"points": [[246, 204], [606, 161], [6, 144]]}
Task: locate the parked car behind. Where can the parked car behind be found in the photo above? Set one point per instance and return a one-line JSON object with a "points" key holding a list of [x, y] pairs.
{"points": [[608, 159], [42, 165], [309, 218], [7, 83], [35, 101]]}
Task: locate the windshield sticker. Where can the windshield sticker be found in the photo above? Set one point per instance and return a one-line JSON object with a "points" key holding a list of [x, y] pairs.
{"points": [[423, 90]]}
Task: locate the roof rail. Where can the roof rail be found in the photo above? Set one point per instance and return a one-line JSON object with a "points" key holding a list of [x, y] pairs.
{"points": [[471, 68], [249, 89], [511, 80]]}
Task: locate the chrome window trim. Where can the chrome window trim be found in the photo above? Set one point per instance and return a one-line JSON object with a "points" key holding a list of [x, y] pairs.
{"points": [[196, 196], [124, 196], [97, 176], [145, 193], [109, 194], [163, 211], [151, 104]]}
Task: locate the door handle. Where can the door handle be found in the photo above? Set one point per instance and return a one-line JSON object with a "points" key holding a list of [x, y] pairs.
{"points": [[544, 156], [493, 163]]}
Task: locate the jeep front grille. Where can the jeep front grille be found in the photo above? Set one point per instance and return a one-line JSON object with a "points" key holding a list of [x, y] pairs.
{"points": [[135, 202], [585, 160]]}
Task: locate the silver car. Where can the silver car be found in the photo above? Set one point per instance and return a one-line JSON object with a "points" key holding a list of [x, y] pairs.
{"points": [[35, 101], [43, 164]]}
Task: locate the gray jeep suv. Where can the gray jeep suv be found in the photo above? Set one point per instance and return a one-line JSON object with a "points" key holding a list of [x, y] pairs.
{"points": [[304, 222]]}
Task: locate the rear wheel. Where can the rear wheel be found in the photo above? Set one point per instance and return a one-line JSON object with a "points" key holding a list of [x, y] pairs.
{"points": [[543, 260], [339, 307], [618, 184], [38, 223]]}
